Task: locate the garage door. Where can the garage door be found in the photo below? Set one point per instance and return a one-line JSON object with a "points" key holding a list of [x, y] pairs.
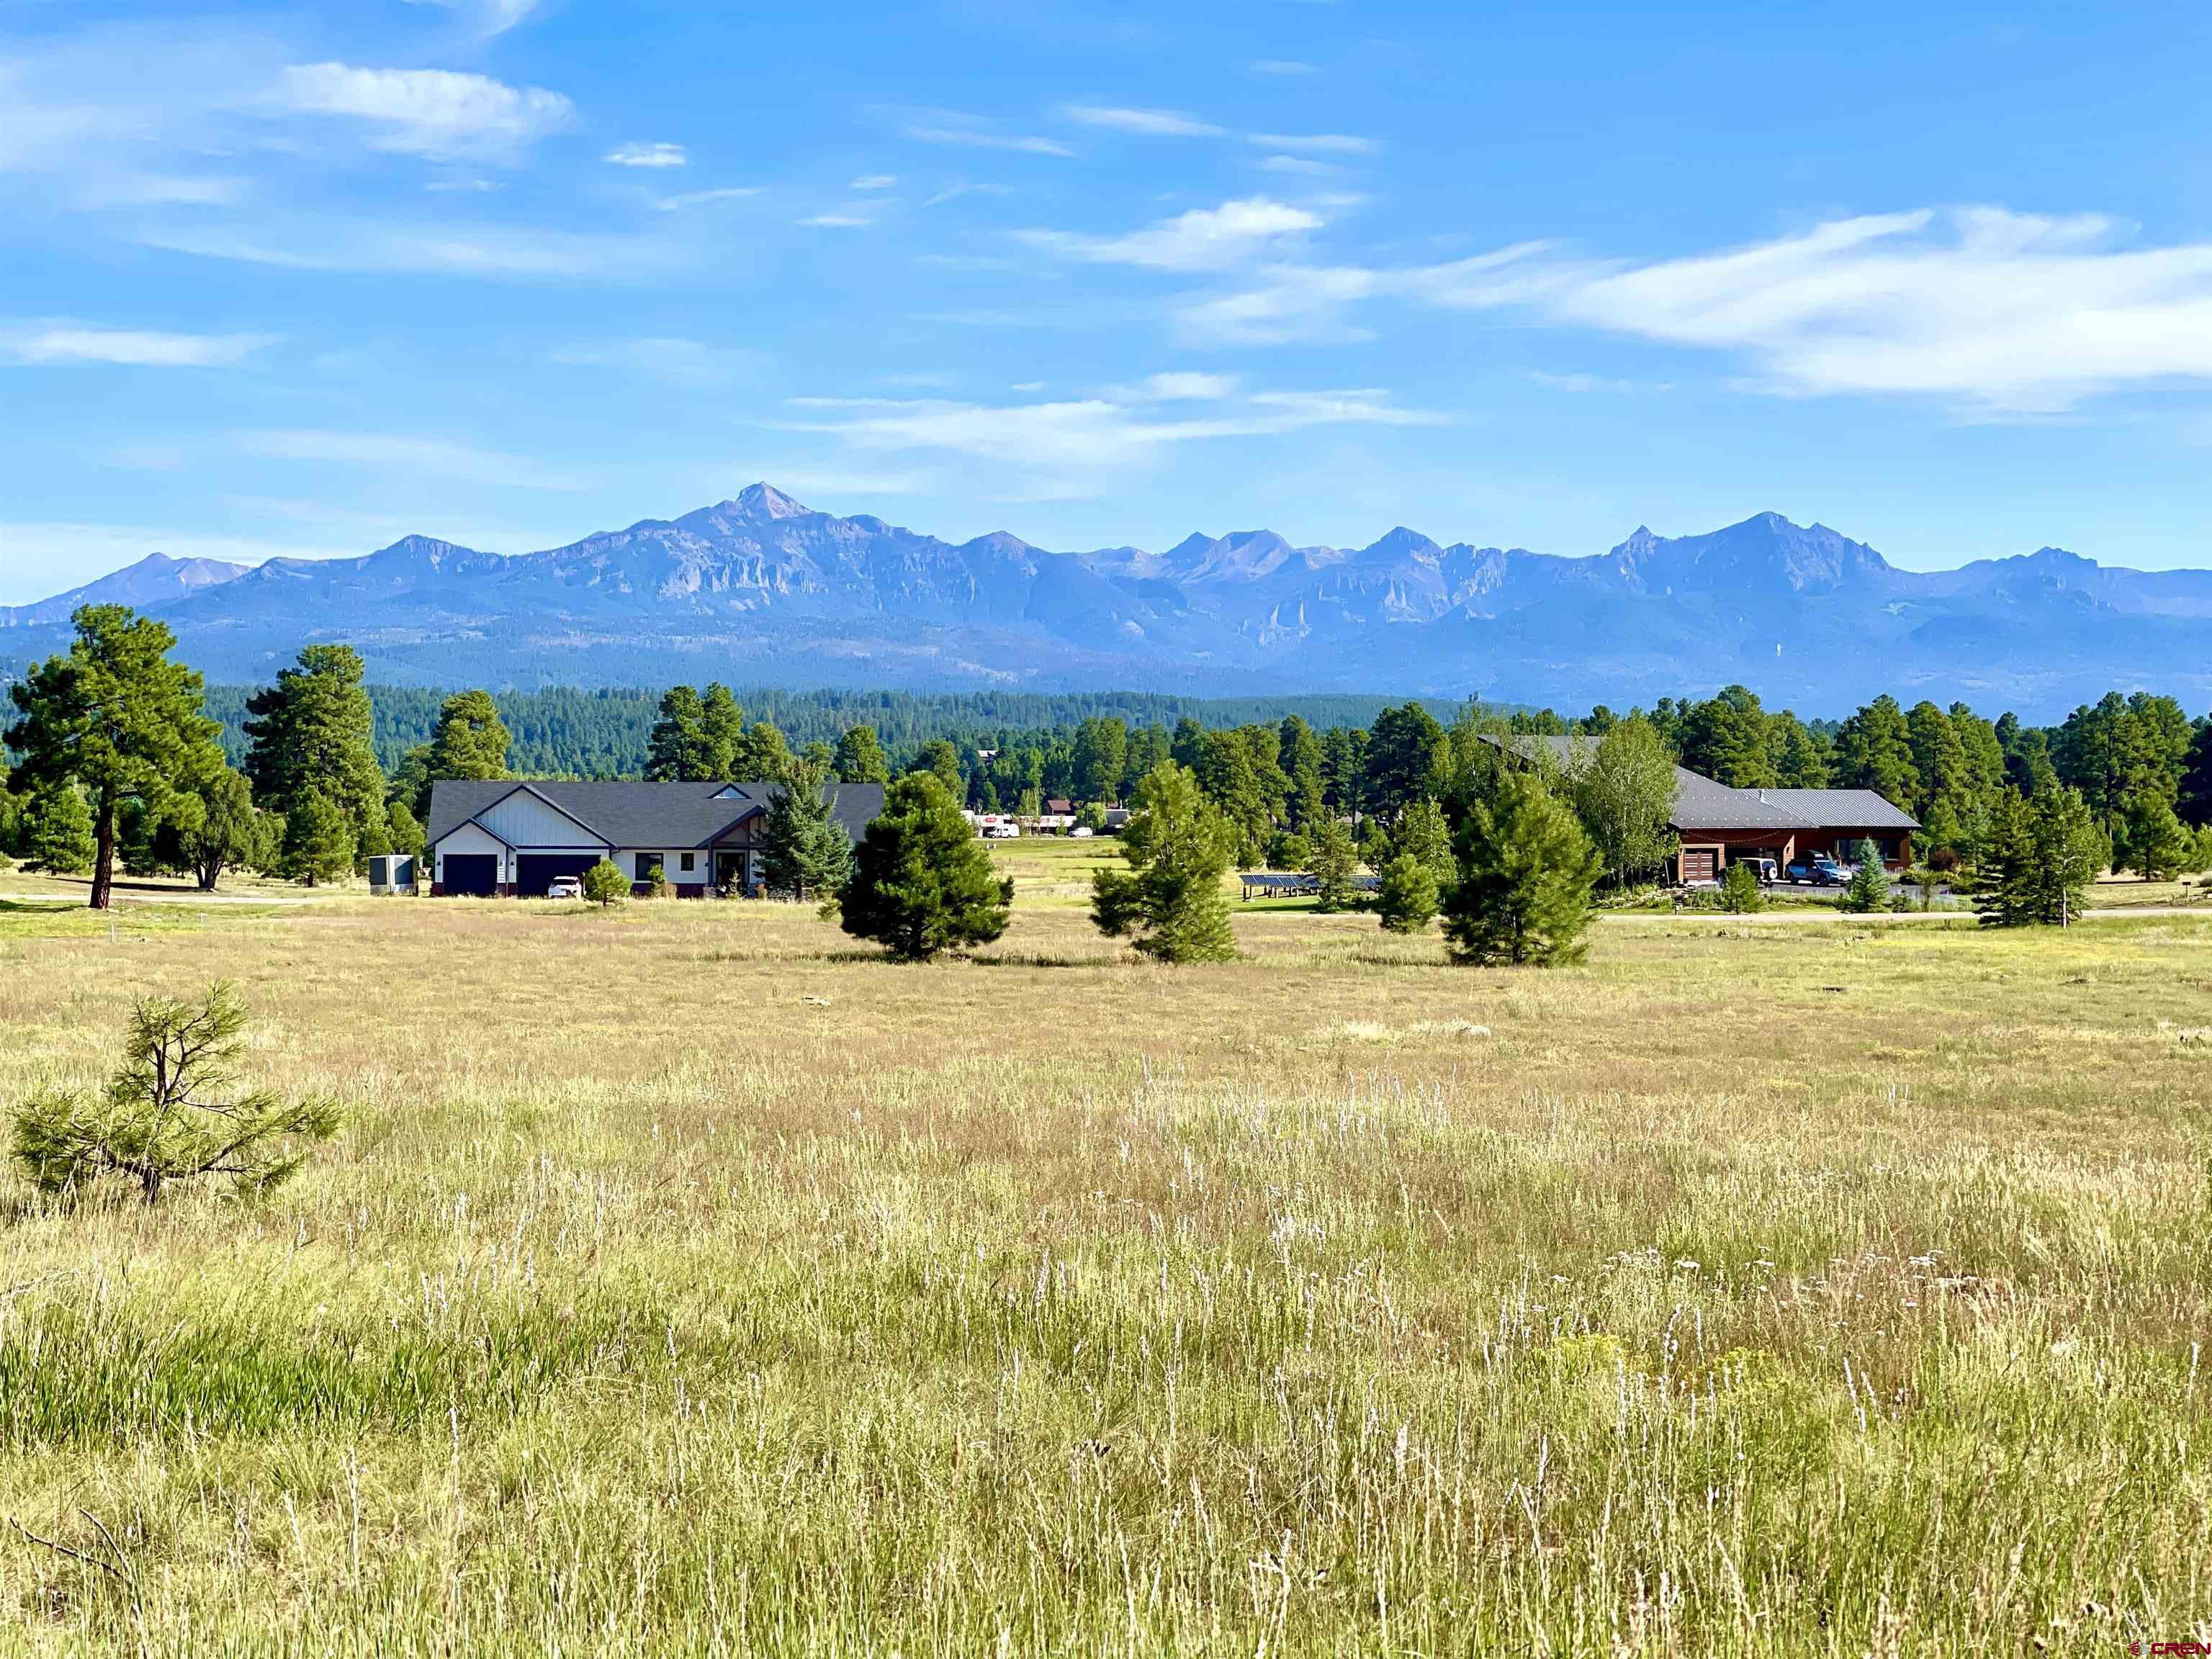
{"points": [[1698, 863], [534, 872], [471, 874]]}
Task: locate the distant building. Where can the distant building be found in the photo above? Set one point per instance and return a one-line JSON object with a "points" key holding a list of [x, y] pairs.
{"points": [[513, 838]]}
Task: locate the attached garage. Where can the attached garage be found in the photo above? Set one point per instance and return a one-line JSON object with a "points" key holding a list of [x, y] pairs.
{"points": [[534, 872], [470, 875], [1700, 863]]}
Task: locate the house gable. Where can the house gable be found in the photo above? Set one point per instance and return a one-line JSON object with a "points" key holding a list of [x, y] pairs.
{"points": [[526, 818]]}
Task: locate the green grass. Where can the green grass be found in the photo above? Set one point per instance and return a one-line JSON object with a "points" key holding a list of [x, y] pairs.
{"points": [[687, 1281]]}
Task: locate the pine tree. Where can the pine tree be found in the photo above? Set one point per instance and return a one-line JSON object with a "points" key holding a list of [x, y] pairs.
{"points": [[469, 741], [1727, 739], [1169, 903], [319, 841], [805, 851], [1873, 751], [115, 716], [1739, 892], [1406, 755], [1423, 834], [1867, 891], [942, 761], [314, 733], [922, 884], [1525, 874], [2157, 846], [605, 885], [227, 832], [1304, 763], [172, 1111], [1409, 895], [1335, 862], [56, 833], [677, 750], [859, 757], [403, 833], [2038, 860], [722, 735]]}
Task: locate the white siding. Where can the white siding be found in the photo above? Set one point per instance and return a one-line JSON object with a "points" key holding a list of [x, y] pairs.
{"points": [[469, 838], [671, 860], [528, 822]]}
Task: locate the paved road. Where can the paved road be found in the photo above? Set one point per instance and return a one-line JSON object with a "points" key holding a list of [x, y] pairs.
{"points": [[1795, 914]]}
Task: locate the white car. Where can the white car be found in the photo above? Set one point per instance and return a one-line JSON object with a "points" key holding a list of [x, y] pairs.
{"points": [[565, 887], [1003, 832], [1082, 832]]}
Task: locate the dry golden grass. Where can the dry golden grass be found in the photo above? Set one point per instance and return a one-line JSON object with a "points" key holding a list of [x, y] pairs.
{"points": [[687, 1279]]}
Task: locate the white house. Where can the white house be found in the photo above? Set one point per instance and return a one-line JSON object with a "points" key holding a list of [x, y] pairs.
{"points": [[514, 837]]}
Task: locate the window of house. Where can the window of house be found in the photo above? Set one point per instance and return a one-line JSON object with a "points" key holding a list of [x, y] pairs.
{"points": [[645, 863], [691, 862]]}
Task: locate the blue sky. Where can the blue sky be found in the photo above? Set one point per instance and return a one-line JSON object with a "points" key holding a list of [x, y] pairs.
{"points": [[304, 279]]}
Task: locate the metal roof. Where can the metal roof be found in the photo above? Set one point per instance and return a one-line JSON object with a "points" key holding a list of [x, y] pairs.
{"points": [[1700, 803], [630, 814]]}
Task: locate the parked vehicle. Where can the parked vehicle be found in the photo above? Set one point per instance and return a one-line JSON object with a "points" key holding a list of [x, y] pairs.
{"points": [[1766, 869], [1002, 832], [1819, 872], [1081, 832], [565, 887]]}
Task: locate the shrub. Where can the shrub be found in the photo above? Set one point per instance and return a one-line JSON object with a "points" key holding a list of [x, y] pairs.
{"points": [[170, 1113], [1409, 895], [1740, 890], [656, 882], [1169, 903], [921, 882], [1288, 850], [605, 885], [1868, 888]]}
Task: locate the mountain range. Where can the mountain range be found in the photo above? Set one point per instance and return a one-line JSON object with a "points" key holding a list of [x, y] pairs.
{"points": [[760, 589]]}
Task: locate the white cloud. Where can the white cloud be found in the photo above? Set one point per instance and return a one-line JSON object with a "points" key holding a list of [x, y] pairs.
{"points": [[1188, 385], [661, 155], [440, 114], [874, 181], [2007, 312], [661, 357], [1293, 305], [491, 16], [59, 341], [1150, 123], [1314, 143], [393, 452], [982, 138], [694, 198], [1078, 447], [837, 221], [388, 247], [1305, 166], [1204, 239]]}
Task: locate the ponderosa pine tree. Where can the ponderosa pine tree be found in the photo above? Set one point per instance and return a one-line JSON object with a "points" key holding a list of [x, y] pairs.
{"points": [[1334, 858], [1423, 834], [115, 717], [314, 733], [1873, 751], [605, 885], [2152, 842], [922, 883], [319, 841], [1169, 903], [57, 831], [470, 741], [1525, 873], [761, 754], [1408, 901], [677, 750], [403, 831], [859, 757], [225, 832], [722, 734]]}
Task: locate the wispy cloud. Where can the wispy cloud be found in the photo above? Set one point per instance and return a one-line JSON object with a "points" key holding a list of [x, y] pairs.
{"points": [[1293, 305], [2002, 312], [837, 221], [874, 181], [662, 155], [397, 246], [439, 114], [1314, 143], [1281, 66], [488, 16], [1184, 385], [59, 341], [661, 357], [1076, 448], [684, 200], [1204, 239], [394, 451], [1303, 167], [1150, 123], [951, 132]]}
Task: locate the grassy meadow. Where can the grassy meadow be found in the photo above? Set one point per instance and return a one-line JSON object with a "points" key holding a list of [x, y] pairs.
{"points": [[686, 1281]]}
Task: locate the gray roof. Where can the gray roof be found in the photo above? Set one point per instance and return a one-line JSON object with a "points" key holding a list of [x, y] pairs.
{"points": [[629, 814], [1702, 804]]}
